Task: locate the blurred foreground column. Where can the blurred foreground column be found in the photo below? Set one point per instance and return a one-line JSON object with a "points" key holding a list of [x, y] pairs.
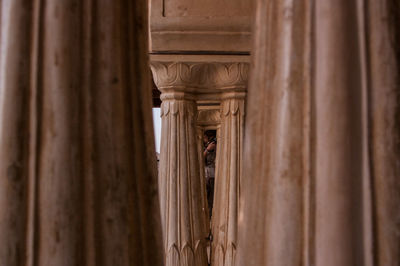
{"points": [[77, 163], [322, 150]]}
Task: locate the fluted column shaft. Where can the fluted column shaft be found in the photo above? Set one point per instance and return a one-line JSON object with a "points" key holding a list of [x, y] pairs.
{"points": [[183, 216], [384, 72], [340, 165], [228, 179], [77, 165], [322, 135], [273, 218], [180, 84]]}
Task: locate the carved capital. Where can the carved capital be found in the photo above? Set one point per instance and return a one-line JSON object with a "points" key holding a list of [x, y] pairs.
{"points": [[195, 76]]}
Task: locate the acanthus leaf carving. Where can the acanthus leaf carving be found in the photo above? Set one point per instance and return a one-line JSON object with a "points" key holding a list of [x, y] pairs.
{"points": [[173, 257], [198, 253], [219, 255], [164, 108], [187, 255], [225, 108], [230, 254], [232, 106], [175, 107]]}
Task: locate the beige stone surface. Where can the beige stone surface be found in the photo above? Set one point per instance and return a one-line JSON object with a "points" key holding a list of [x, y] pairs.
{"points": [[228, 180], [201, 26], [185, 81], [183, 215], [207, 8]]}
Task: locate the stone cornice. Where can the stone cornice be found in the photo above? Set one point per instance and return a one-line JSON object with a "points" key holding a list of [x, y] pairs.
{"points": [[200, 77]]}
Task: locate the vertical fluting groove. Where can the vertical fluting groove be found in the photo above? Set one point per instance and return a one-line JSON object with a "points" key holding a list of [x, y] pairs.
{"points": [[374, 249], [177, 145], [36, 122], [339, 157], [179, 181], [188, 133], [308, 133], [87, 16], [312, 137], [60, 223], [168, 185], [367, 213], [85, 170], [384, 62], [275, 155], [94, 113]]}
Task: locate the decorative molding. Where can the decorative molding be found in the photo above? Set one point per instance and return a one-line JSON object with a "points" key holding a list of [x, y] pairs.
{"points": [[218, 30], [208, 117], [192, 76], [232, 106], [176, 107]]}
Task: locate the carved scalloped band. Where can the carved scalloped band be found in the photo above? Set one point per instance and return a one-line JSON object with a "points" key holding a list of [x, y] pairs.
{"points": [[200, 75]]}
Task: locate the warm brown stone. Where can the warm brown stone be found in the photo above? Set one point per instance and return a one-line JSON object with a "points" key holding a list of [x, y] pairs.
{"points": [[78, 180], [384, 72], [320, 126], [320, 184], [271, 222], [340, 133]]}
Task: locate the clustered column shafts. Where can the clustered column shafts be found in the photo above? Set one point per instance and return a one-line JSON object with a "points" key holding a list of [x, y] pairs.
{"points": [[183, 216], [228, 179]]}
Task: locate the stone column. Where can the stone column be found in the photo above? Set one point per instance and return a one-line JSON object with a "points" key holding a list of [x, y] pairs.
{"points": [[77, 163], [273, 228], [228, 179], [384, 72], [341, 159], [183, 216], [322, 136]]}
